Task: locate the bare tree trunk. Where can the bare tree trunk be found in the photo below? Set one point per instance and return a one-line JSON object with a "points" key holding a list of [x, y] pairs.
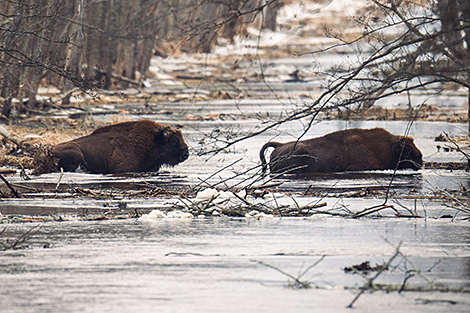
{"points": [[85, 43], [38, 49], [271, 11], [453, 14], [74, 48], [465, 9]]}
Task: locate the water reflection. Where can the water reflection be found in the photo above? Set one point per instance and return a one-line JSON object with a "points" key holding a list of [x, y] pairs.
{"points": [[192, 264]]}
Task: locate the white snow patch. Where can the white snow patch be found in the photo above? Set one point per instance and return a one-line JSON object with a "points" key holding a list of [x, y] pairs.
{"points": [[157, 214]]}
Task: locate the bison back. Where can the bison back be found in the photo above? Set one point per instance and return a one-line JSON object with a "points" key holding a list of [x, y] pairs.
{"points": [[140, 146], [348, 150]]}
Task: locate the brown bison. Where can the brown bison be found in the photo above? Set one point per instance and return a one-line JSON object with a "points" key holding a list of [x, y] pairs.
{"points": [[346, 150], [142, 146]]}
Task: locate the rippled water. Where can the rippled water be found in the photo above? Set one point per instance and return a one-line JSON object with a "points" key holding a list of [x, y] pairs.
{"points": [[212, 265], [240, 167]]}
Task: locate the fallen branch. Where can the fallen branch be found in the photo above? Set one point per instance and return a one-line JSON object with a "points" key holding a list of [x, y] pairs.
{"points": [[370, 281], [18, 243], [10, 186], [401, 288], [460, 205], [8, 136], [298, 284], [373, 209], [59, 179]]}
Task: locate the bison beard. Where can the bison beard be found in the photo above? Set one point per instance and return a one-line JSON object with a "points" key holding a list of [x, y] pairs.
{"points": [[347, 150], [142, 146]]}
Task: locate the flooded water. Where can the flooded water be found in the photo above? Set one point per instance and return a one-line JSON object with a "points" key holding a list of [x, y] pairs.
{"points": [[228, 264], [214, 265], [222, 264], [240, 167]]}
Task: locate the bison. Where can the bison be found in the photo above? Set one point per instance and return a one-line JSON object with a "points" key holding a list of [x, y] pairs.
{"points": [[346, 150], [141, 146]]}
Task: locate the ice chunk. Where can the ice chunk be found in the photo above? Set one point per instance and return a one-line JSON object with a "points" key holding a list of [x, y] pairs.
{"points": [[157, 214]]}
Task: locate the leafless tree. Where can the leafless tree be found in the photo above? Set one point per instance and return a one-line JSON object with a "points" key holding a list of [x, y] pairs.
{"points": [[406, 45], [415, 45], [421, 45], [89, 43]]}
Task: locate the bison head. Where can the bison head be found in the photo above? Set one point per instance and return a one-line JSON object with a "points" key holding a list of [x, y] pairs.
{"points": [[408, 155], [172, 145]]}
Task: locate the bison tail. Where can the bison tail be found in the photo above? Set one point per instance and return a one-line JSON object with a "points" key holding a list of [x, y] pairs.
{"points": [[264, 165]]}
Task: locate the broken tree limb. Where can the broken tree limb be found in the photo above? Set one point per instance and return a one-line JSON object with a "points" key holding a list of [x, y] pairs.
{"points": [[8, 136], [373, 210], [10, 186]]}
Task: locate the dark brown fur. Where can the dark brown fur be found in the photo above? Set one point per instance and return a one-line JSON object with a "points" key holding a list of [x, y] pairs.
{"points": [[142, 146], [347, 150]]}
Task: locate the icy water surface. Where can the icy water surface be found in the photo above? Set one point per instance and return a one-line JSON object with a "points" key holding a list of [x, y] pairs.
{"points": [[241, 167], [222, 264], [214, 265], [228, 264]]}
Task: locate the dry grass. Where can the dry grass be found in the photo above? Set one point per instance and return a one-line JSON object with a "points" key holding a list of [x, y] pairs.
{"points": [[32, 135]]}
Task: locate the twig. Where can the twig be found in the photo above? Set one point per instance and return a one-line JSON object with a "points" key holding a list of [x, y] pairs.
{"points": [[10, 186], [298, 283], [411, 274], [463, 206], [373, 210], [370, 281], [457, 147], [312, 266], [60, 178], [20, 240], [217, 172], [412, 213]]}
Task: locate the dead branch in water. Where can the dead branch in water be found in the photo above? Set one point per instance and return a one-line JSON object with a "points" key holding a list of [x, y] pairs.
{"points": [[241, 204], [370, 281], [457, 147], [18, 243], [297, 284], [373, 209], [378, 208], [370, 284], [9, 186]]}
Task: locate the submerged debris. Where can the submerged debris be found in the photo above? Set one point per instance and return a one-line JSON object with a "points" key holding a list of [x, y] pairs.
{"points": [[22, 241], [452, 166], [211, 202], [365, 267]]}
